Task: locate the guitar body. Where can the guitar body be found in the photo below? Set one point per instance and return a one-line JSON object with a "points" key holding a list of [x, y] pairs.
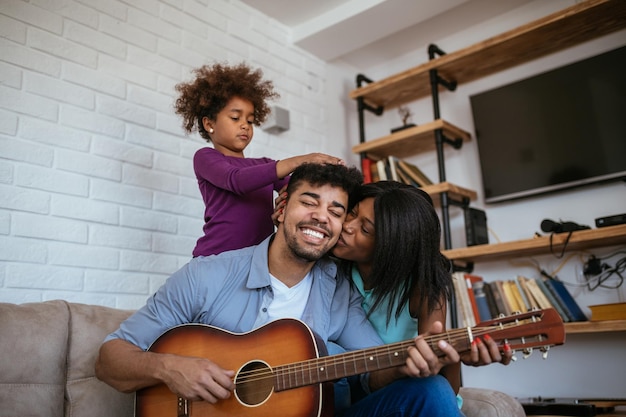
{"points": [[278, 343]]}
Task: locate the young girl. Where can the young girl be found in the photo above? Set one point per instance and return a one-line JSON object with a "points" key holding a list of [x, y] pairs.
{"points": [[224, 103]]}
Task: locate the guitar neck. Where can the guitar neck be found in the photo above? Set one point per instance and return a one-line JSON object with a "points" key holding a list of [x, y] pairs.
{"points": [[334, 367], [540, 328]]}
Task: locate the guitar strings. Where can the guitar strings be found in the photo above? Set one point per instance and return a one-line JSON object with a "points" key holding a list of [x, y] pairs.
{"points": [[453, 337]]}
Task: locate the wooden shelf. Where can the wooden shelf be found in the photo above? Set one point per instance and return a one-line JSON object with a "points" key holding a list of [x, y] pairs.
{"points": [[455, 191], [595, 326], [582, 22], [582, 239], [410, 141]]}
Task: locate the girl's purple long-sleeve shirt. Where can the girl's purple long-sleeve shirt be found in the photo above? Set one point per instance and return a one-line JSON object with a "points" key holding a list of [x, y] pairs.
{"points": [[238, 195]]}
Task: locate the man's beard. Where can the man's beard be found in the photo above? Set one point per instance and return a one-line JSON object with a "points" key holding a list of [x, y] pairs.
{"points": [[305, 252]]}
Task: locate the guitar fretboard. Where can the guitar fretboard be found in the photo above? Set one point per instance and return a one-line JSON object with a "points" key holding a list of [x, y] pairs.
{"points": [[334, 367]]}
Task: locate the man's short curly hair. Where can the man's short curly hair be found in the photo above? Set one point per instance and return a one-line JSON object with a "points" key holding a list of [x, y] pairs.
{"points": [[341, 176], [214, 86]]}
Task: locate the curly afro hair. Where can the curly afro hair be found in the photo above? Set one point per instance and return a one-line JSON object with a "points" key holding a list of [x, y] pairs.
{"points": [[214, 86]]}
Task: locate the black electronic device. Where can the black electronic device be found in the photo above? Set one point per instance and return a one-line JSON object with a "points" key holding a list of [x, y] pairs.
{"points": [[559, 129], [557, 407], [611, 220], [550, 226], [569, 406], [476, 232]]}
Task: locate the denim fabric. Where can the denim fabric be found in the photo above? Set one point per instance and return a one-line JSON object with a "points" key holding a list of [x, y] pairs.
{"points": [[408, 397]]}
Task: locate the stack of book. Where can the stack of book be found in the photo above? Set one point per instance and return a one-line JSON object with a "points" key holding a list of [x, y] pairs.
{"points": [[613, 311], [393, 169], [478, 300]]}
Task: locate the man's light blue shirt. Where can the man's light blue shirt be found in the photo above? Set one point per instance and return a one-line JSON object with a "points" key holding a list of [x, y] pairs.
{"points": [[233, 289]]}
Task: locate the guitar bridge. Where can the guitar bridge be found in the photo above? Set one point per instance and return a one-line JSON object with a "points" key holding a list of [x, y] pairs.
{"points": [[183, 407]]}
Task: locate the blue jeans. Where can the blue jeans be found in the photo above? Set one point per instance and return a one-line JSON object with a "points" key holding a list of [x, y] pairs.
{"points": [[408, 397]]}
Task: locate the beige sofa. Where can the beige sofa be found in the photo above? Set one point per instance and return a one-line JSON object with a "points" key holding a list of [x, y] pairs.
{"points": [[47, 356]]}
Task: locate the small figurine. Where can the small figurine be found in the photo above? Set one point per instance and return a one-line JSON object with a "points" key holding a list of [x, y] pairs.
{"points": [[405, 114]]}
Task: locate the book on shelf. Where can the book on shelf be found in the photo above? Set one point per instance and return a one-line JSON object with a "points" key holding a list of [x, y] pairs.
{"points": [[529, 300], [524, 301], [491, 300], [406, 179], [469, 281], [413, 172], [513, 297], [501, 302], [392, 163], [382, 167], [563, 296], [484, 312], [613, 311], [374, 172], [535, 293], [465, 315], [394, 173], [366, 169], [556, 304]]}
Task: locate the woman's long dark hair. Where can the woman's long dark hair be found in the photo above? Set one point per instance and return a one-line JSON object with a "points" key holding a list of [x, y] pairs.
{"points": [[407, 261]]}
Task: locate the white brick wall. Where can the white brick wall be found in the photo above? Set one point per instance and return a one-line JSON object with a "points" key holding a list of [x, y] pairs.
{"points": [[98, 201]]}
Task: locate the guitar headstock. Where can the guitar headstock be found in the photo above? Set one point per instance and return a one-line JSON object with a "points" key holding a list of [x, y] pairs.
{"points": [[525, 331]]}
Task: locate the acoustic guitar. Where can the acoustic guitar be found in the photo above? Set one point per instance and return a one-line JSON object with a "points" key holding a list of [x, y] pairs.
{"points": [[281, 370]]}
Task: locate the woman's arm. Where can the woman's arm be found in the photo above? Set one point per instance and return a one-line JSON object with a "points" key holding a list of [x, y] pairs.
{"points": [[425, 321]]}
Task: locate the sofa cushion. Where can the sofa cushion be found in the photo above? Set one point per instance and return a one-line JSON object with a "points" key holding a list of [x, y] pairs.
{"points": [[480, 402], [33, 342], [88, 396]]}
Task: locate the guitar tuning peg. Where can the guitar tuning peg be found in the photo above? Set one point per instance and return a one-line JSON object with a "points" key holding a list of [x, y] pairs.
{"points": [[544, 351], [527, 352], [514, 358]]}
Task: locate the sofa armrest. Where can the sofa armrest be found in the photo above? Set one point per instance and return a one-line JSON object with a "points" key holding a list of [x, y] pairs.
{"points": [[479, 402], [33, 355], [87, 396]]}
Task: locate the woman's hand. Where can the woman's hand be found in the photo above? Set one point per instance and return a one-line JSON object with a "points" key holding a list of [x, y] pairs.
{"points": [[279, 204], [485, 351]]}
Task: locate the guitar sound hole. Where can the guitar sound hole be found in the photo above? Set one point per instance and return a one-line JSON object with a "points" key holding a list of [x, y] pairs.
{"points": [[254, 383]]}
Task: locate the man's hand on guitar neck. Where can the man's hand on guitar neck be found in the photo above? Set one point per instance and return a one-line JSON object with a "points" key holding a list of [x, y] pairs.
{"points": [[421, 362]]}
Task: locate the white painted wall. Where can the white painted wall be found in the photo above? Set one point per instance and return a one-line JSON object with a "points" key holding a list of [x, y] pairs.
{"points": [[98, 203], [591, 365]]}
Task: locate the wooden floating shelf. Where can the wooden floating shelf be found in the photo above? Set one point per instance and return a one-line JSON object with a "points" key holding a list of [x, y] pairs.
{"points": [[410, 141], [456, 192], [579, 23], [579, 240], [595, 326]]}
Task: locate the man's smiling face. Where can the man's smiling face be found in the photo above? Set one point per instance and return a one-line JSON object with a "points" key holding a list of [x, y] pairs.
{"points": [[313, 218]]}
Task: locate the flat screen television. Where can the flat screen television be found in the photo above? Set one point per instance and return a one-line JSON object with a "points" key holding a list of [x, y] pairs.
{"points": [[556, 130]]}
